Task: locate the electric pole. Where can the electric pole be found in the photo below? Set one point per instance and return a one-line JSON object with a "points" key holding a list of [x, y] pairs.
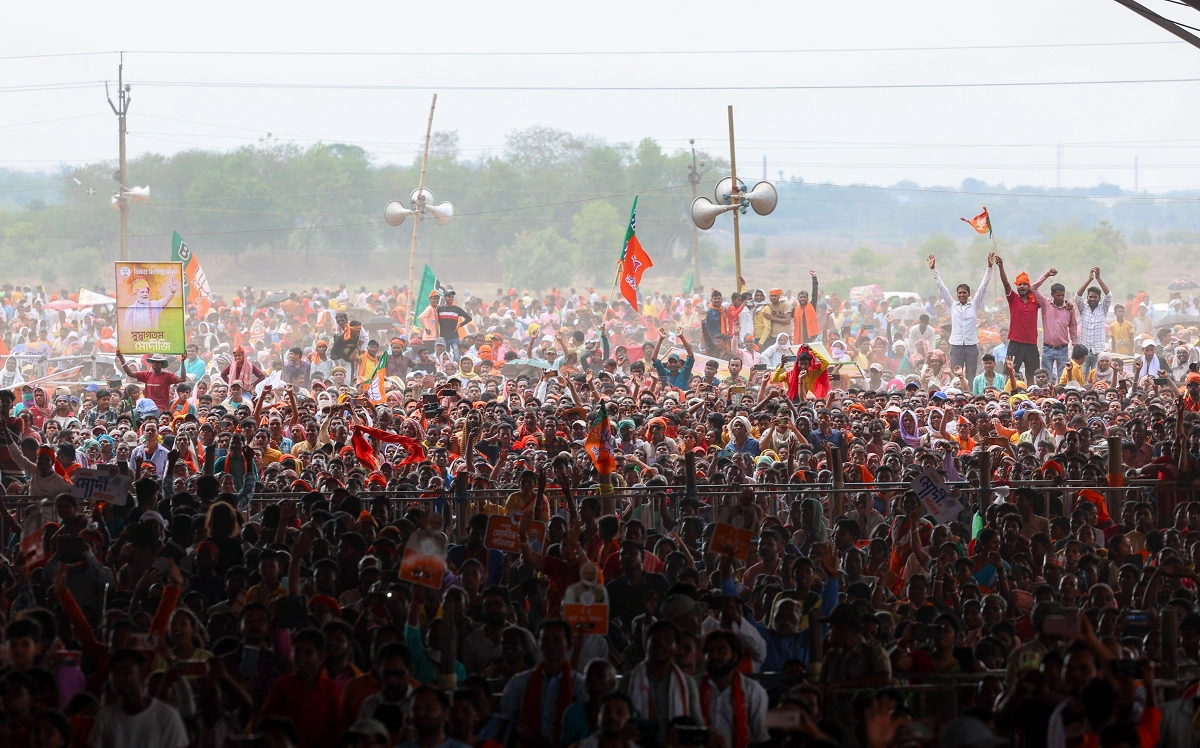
{"points": [[694, 178], [121, 111]]}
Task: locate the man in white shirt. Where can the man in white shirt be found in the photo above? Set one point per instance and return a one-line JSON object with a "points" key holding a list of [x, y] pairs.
{"points": [[922, 331], [150, 451], [135, 719], [732, 704], [964, 318], [1092, 316]]}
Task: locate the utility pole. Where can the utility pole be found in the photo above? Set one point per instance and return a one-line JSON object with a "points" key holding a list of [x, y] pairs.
{"points": [[694, 178], [121, 111], [1058, 169], [736, 199], [412, 252]]}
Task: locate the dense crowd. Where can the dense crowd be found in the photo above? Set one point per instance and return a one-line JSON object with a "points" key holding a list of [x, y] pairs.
{"points": [[673, 463]]}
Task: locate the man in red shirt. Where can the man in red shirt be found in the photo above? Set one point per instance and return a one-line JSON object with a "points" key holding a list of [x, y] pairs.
{"points": [[158, 382], [311, 700], [1022, 328]]}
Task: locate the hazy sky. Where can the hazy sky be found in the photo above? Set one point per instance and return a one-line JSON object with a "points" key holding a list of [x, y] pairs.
{"points": [[930, 136]]}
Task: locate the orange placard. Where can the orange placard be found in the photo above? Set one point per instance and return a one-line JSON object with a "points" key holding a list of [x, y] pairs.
{"points": [[502, 532], [727, 536], [424, 560], [594, 617]]}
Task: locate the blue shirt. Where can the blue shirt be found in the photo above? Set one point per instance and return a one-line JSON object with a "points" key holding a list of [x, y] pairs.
{"points": [[795, 646], [680, 381]]}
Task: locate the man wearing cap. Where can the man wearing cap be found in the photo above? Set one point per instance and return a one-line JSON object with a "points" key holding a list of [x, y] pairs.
{"points": [[157, 381], [964, 318], [450, 318], [1023, 308]]}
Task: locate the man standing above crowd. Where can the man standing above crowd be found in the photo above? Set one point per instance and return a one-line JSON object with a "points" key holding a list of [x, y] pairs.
{"points": [[964, 318], [1022, 326], [777, 314], [158, 382], [1060, 328], [806, 328], [1091, 318], [450, 318]]}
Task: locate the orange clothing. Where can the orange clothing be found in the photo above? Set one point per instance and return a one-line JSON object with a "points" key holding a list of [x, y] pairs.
{"points": [[805, 327]]}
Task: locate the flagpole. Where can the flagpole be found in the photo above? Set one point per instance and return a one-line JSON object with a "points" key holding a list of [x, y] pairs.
{"points": [[411, 312], [736, 198]]}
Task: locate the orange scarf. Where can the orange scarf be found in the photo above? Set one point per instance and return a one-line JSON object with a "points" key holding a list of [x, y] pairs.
{"points": [[805, 326], [741, 732], [531, 709]]}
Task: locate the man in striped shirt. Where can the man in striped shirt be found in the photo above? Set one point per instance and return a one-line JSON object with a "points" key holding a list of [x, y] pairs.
{"points": [[1092, 314]]}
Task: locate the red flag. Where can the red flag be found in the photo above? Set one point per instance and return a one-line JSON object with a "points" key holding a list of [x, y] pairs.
{"points": [[634, 262], [982, 223]]}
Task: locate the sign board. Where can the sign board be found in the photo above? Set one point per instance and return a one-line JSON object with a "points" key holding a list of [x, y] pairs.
{"points": [[33, 534], [726, 536], [102, 484], [150, 308], [593, 617], [424, 560], [502, 533], [935, 498]]}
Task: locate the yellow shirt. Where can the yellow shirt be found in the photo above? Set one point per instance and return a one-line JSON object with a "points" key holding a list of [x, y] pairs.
{"points": [[1122, 337], [1073, 372]]}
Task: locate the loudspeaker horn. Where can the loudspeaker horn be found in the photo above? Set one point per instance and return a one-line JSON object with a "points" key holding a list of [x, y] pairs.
{"points": [[762, 198], [138, 194], [724, 189], [426, 194], [395, 213], [116, 201], [704, 213], [442, 213]]}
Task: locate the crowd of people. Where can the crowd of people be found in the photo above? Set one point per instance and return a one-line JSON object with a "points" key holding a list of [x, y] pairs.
{"points": [[671, 463]]}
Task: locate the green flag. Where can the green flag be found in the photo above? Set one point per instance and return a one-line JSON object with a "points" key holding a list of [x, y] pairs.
{"points": [[689, 279], [429, 284]]}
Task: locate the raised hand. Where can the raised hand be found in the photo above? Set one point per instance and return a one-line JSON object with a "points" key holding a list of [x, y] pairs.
{"points": [[991, 258], [932, 261], [1052, 272], [813, 273]]}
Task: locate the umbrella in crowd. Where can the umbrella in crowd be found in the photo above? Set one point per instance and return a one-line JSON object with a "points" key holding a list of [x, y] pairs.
{"points": [[908, 312], [1180, 284], [379, 323], [1177, 319], [62, 305], [274, 298]]}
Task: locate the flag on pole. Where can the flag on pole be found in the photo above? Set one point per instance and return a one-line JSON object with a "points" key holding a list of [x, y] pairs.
{"points": [[689, 280], [600, 444], [634, 262], [374, 387], [195, 283], [429, 284], [982, 223]]}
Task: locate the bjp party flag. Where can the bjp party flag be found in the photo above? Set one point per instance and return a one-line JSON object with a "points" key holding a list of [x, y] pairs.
{"points": [[195, 283], [634, 262]]}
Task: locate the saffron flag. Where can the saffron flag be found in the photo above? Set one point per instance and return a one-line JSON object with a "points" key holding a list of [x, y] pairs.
{"points": [[195, 282], [982, 223], [364, 452], [816, 378], [600, 445], [374, 387], [634, 262]]}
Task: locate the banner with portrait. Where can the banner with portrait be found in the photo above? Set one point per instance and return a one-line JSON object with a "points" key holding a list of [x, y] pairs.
{"points": [[150, 308]]}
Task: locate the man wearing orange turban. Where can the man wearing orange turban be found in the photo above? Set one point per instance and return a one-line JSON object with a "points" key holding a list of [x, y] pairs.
{"points": [[1023, 305]]}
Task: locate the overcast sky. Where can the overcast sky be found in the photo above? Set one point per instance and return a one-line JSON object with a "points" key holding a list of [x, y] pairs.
{"points": [[930, 136]]}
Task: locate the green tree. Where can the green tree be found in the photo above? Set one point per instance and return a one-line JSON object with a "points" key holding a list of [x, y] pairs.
{"points": [[598, 235], [538, 260]]}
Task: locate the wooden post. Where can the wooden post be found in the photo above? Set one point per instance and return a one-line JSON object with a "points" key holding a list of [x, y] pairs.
{"points": [[838, 499], [410, 312], [736, 198], [447, 675], [1116, 477]]}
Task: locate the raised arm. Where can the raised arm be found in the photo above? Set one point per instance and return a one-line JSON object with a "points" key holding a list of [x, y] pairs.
{"points": [[813, 298], [1083, 289], [1103, 285], [662, 335], [124, 364], [686, 346], [1003, 275], [981, 292], [937, 278]]}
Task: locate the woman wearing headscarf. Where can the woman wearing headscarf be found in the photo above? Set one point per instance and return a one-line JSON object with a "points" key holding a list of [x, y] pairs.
{"points": [[935, 371], [837, 350], [773, 355], [811, 527], [909, 432], [900, 354], [466, 369]]}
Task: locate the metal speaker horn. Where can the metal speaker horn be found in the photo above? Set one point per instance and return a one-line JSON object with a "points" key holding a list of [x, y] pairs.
{"points": [[138, 194], [762, 198], [395, 213], [724, 189], [426, 196], [441, 213], [116, 201], [704, 213]]}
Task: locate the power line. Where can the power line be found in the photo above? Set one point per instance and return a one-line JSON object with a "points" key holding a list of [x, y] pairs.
{"points": [[585, 53], [805, 87]]}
